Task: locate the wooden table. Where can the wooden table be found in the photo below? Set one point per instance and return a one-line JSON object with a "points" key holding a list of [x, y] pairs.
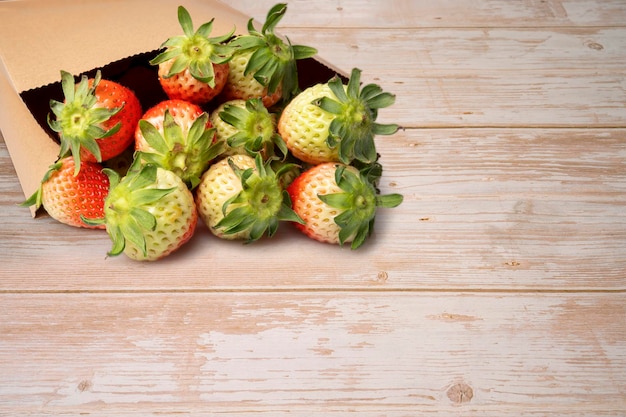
{"points": [[496, 289]]}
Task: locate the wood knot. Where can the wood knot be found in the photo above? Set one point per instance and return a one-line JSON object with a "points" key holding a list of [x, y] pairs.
{"points": [[382, 276], [594, 45], [460, 393], [84, 385]]}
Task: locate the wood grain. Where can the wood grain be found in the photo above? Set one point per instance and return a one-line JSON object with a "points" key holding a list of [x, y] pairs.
{"points": [[483, 209], [360, 14], [497, 288], [387, 353]]}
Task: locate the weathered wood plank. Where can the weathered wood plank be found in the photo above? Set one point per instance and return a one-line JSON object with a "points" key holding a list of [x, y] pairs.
{"points": [[313, 353], [484, 209], [487, 77], [449, 13]]}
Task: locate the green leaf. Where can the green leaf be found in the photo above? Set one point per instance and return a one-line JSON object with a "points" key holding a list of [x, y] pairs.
{"points": [[384, 129], [68, 86], [185, 21], [219, 41], [365, 149], [205, 29], [274, 15], [251, 28], [243, 43], [143, 177], [354, 83], [144, 219], [362, 234], [381, 100], [165, 56], [172, 132], [340, 201], [148, 196], [237, 140], [337, 87], [119, 242], [234, 116], [281, 145], [257, 60], [179, 65], [91, 145], [93, 222], [153, 137], [203, 71], [389, 200], [369, 91], [198, 129], [114, 177], [286, 213], [133, 233], [329, 105], [303, 52]]}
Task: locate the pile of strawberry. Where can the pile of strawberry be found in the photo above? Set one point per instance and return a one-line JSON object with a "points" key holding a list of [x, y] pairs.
{"points": [[266, 153]]}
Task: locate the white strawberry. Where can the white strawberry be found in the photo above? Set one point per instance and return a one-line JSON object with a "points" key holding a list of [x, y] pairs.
{"points": [[247, 127], [148, 214], [332, 122], [241, 197], [264, 65]]}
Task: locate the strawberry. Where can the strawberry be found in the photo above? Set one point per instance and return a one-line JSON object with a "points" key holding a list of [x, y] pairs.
{"points": [[178, 136], [246, 126], [264, 65], [240, 197], [97, 119], [333, 122], [337, 203], [193, 66], [66, 196], [148, 214]]}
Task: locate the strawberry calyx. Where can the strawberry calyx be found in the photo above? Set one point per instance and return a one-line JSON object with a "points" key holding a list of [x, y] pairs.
{"points": [[79, 119], [260, 205], [256, 129], [273, 60], [356, 109], [195, 50], [36, 198], [358, 203], [127, 211], [187, 154]]}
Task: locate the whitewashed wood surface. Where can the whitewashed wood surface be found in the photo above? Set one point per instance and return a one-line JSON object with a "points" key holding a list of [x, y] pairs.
{"points": [[496, 289]]}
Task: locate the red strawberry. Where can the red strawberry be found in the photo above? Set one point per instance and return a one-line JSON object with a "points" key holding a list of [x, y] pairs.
{"points": [[193, 67], [97, 119], [337, 203], [178, 136], [68, 197]]}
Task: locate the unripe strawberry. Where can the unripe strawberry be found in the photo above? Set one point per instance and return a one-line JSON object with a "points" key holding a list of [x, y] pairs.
{"points": [[264, 65], [337, 203], [241, 84], [148, 214], [247, 127], [241, 197], [332, 122]]}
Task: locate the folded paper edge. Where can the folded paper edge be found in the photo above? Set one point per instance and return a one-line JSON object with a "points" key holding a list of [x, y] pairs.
{"points": [[29, 147]]}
